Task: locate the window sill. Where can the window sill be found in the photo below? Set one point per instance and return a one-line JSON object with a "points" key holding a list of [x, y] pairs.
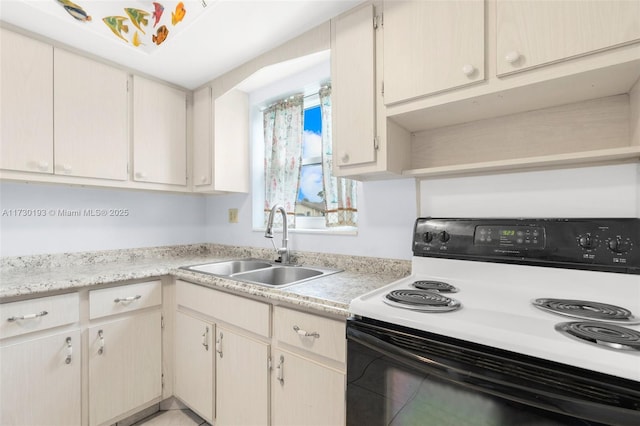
{"points": [[324, 231]]}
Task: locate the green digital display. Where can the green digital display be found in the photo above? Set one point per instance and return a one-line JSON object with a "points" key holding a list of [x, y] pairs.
{"points": [[507, 232]]}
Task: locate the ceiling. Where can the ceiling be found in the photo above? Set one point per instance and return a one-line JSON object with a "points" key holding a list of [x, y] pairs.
{"points": [[201, 44]]}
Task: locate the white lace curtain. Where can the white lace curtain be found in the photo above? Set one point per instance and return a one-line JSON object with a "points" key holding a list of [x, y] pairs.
{"points": [[283, 153], [339, 193], [283, 133]]}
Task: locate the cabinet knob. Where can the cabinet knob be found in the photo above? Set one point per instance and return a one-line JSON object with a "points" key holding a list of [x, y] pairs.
{"points": [[43, 166], [141, 175], [66, 168], [345, 158], [512, 57], [203, 179], [468, 70]]}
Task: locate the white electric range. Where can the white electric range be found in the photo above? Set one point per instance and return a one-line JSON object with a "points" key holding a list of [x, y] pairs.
{"points": [[527, 286]]}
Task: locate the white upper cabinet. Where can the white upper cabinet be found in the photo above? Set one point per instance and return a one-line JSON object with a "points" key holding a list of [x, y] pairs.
{"points": [[220, 141], [432, 46], [159, 133], [26, 104], [91, 118], [532, 33], [354, 88]]}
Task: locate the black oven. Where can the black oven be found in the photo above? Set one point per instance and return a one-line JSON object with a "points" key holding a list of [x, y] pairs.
{"points": [[403, 376]]}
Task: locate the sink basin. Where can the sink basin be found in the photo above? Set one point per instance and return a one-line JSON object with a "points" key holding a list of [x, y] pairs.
{"points": [[229, 267], [261, 272], [279, 275]]}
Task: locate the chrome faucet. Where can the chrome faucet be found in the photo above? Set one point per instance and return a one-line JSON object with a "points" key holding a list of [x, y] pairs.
{"points": [[268, 233]]}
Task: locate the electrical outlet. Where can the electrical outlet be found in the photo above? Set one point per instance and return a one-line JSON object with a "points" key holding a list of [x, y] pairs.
{"points": [[233, 215]]}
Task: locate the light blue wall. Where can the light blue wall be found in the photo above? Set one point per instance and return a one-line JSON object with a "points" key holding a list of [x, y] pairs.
{"points": [[388, 210], [153, 219], [386, 213]]}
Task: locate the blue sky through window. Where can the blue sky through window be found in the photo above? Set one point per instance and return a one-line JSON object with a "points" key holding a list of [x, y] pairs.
{"points": [[311, 174]]}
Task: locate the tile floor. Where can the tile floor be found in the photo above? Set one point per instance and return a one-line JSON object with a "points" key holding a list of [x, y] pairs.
{"points": [[173, 418]]}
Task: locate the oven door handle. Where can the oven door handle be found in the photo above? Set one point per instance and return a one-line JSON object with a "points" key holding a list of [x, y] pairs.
{"points": [[571, 405]]}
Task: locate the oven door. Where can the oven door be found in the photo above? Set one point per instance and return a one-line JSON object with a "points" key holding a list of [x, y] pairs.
{"points": [[398, 376]]}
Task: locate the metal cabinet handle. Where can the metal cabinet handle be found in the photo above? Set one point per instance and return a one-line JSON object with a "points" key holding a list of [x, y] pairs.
{"points": [[67, 360], [280, 370], [127, 299], [303, 333], [219, 345], [101, 337], [205, 338], [28, 316]]}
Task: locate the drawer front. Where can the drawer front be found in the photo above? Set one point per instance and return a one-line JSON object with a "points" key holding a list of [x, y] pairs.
{"points": [[125, 298], [312, 333], [38, 314], [248, 314]]}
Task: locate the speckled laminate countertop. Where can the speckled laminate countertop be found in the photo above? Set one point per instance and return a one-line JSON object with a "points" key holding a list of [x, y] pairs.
{"points": [[36, 276]]}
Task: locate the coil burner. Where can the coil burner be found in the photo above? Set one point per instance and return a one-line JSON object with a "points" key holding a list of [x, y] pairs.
{"points": [[421, 300], [606, 335], [587, 310], [437, 286]]}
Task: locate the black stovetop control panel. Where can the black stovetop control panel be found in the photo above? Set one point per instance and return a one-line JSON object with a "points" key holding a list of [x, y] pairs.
{"points": [[609, 244]]}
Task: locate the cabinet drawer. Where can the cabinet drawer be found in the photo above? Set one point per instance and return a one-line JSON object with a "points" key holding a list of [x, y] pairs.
{"points": [[239, 311], [319, 335], [126, 298], [38, 314]]}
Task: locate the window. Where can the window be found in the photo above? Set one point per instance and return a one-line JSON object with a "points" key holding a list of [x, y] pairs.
{"points": [[310, 201], [292, 153]]}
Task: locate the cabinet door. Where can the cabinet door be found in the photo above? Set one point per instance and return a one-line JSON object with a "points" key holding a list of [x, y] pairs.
{"points": [[38, 386], [431, 46], [221, 141], [159, 133], [353, 88], [306, 393], [531, 32], [194, 363], [26, 104], [202, 141], [91, 118], [125, 368], [242, 380]]}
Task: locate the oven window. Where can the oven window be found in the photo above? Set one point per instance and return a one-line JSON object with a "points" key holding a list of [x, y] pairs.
{"points": [[384, 388]]}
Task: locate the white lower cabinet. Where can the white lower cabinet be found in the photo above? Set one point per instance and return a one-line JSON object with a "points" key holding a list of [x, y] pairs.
{"points": [[125, 350], [125, 369], [40, 381], [306, 392], [40, 361], [293, 375], [194, 364], [309, 366], [242, 380]]}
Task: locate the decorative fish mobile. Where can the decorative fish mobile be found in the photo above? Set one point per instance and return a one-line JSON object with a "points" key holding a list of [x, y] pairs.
{"points": [[136, 39], [178, 15], [74, 10], [161, 35], [138, 17], [158, 9], [117, 25], [147, 20]]}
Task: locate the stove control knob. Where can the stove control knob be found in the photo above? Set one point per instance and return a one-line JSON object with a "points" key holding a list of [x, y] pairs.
{"points": [[428, 237], [445, 236], [618, 245], [586, 241]]}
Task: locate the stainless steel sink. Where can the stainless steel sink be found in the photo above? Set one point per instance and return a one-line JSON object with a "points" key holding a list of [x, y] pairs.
{"points": [[229, 267], [278, 276], [261, 272]]}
